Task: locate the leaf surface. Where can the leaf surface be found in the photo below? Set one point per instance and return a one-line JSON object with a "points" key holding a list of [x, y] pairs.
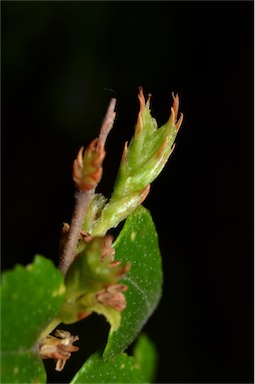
{"points": [[146, 356], [139, 368], [30, 298], [138, 244]]}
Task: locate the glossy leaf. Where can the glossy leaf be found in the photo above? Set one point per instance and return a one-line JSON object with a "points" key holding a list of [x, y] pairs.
{"points": [[30, 298], [22, 367], [138, 244], [120, 369], [146, 356]]}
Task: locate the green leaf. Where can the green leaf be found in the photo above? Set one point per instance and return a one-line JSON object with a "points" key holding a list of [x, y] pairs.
{"points": [[22, 367], [146, 356], [139, 368], [137, 243], [121, 369], [30, 298]]}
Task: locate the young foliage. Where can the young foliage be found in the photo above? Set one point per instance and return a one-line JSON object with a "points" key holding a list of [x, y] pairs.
{"points": [[120, 280], [142, 161]]}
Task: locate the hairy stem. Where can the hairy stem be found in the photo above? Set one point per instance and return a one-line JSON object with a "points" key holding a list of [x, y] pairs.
{"points": [[107, 123], [82, 202], [83, 199]]}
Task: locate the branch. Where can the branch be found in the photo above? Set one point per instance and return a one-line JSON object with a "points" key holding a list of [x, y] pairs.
{"points": [[87, 172]]}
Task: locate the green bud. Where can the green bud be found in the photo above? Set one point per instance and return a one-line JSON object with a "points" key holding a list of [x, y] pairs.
{"points": [[92, 284], [142, 161], [150, 148]]}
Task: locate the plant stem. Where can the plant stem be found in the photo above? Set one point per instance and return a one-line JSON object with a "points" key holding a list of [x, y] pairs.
{"points": [[83, 199], [82, 202], [107, 123]]}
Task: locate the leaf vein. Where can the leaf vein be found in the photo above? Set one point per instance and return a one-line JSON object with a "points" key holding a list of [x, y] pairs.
{"points": [[143, 293]]}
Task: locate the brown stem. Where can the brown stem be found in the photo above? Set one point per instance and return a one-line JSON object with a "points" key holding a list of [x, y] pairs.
{"points": [[83, 199], [82, 202], [107, 123]]}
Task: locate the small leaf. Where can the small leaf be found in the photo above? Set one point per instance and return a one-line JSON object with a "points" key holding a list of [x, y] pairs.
{"points": [[146, 356], [30, 298], [122, 369], [138, 244], [139, 368]]}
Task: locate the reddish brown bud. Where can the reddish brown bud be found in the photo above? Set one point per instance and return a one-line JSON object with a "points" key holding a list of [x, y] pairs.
{"points": [[87, 167]]}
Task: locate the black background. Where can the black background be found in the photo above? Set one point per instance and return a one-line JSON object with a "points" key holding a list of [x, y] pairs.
{"points": [[58, 61]]}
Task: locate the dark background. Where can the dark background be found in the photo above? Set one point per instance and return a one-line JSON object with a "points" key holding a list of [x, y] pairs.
{"points": [[58, 61]]}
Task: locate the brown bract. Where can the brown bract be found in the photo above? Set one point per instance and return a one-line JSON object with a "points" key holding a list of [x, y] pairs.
{"points": [[87, 167], [174, 112], [112, 296]]}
